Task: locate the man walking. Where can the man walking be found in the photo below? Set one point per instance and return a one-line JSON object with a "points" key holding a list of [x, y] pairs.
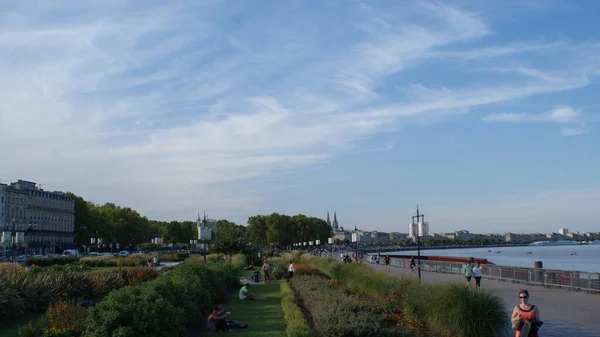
{"points": [[386, 259]]}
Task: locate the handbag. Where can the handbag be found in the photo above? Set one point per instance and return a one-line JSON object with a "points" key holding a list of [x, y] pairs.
{"points": [[518, 326]]}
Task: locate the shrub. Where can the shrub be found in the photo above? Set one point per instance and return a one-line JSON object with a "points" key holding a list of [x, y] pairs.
{"points": [[26, 292], [294, 319], [333, 312], [11, 305], [164, 307], [464, 312], [419, 308], [239, 261], [215, 257], [51, 261], [134, 311], [297, 255], [65, 319]]}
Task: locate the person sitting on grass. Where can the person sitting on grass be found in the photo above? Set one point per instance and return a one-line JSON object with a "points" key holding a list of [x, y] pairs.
{"points": [[231, 323], [217, 322], [245, 295]]}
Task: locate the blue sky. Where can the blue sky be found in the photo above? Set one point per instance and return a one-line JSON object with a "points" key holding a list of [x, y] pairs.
{"points": [[483, 114]]}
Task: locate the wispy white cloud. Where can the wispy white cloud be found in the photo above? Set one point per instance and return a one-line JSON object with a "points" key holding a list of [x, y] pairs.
{"points": [[153, 106], [562, 114], [574, 131], [559, 115]]}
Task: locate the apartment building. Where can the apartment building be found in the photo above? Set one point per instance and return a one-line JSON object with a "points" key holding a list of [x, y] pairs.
{"points": [[42, 220]]}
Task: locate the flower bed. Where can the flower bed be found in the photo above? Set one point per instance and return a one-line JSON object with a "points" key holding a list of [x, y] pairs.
{"points": [[334, 313], [167, 306], [421, 308]]}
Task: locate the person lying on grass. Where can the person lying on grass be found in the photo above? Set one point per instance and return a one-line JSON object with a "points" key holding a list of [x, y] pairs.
{"points": [[245, 295]]}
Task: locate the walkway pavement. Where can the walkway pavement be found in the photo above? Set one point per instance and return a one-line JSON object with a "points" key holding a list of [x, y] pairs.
{"points": [[565, 313]]}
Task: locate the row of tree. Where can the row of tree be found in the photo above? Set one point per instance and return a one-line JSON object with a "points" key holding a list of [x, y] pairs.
{"points": [[123, 225]]}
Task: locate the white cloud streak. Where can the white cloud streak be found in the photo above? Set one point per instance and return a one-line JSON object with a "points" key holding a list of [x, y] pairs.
{"points": [[153, 106]]}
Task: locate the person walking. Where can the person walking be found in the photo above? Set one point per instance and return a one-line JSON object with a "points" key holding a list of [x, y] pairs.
{"points": [[291, 270], [386, 259], [412, 264], [525, 318], [468, 272], [267, 271], [477, 275]]}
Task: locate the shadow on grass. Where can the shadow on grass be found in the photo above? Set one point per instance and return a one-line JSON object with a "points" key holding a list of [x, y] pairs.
{"points": [[264, 317]]}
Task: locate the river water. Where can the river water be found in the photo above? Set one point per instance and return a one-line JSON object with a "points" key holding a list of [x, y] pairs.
{"points": [[584, 258]]}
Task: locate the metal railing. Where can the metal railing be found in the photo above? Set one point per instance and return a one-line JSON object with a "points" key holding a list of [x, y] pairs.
{"points": [[566, 279]]}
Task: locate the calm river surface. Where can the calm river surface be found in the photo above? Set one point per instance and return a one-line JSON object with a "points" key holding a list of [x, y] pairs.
{"points": [[554, 257]]}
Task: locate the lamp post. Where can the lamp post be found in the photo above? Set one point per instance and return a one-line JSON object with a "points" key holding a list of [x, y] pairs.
{"points": [[417, 217], [330, 241], [157, 241], [318, 244]]}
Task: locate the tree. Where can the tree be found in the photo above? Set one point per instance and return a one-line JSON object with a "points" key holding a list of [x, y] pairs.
{"points": [[229, 238]]}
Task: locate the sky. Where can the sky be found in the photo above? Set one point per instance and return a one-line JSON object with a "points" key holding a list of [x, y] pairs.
{"points": [[481, 112]]}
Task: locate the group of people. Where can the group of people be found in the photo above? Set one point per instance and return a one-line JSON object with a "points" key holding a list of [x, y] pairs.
{"points": [[470, 271]]}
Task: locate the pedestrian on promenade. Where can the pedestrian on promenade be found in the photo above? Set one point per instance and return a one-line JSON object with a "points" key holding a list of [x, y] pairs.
{"points": [[468, 272], [477, 275], [412, 264], [386, 259], [526, 317]]}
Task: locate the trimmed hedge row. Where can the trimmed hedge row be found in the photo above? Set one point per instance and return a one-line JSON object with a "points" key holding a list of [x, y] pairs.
{"points": [[296, 325], [422, 308], [167, 306]]}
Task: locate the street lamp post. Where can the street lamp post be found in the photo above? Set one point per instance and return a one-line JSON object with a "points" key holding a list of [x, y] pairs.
{"points": [[417, 217], [330, 241]]}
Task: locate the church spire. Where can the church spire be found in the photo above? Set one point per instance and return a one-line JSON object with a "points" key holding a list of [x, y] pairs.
{"points": [[335, 221], [328, 221]]}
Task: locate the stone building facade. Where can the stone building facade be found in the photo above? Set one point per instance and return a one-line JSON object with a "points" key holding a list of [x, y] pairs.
{"points": [[42, 220]]}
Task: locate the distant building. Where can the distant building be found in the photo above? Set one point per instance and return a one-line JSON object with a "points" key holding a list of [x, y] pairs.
{"points": [[206, 227], [563, 231], [412, 230], [47, 217], [423, 228]]}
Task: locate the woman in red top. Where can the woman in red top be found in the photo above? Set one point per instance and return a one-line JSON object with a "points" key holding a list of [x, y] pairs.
{"points": [[525, 312]]}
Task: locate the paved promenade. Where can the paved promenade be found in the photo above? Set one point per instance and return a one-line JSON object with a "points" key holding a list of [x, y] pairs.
{"points": [[565, 313]]}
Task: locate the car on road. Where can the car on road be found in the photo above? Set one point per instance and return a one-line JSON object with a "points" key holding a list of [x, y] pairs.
{"points": [[123, 253]]}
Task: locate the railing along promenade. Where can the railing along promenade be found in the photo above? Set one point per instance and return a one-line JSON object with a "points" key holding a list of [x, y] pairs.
{"points": [[550, 278]]}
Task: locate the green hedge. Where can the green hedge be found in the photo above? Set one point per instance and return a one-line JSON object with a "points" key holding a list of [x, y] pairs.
{"points": [[296, 325], [453, 310], [51, 261], [167, 306]]}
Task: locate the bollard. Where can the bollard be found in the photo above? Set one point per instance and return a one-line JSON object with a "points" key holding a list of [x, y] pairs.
{"points": [[539, 272]]}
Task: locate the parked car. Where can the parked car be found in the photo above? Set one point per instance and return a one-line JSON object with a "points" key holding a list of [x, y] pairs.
{"points": [[123, 253]]}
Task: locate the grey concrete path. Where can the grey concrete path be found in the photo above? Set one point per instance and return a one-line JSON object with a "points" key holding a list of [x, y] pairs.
{"points": [[565, 313]]}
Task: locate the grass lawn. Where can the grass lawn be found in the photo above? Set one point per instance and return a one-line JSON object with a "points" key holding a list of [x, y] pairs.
{"points": [[264, 317]]}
